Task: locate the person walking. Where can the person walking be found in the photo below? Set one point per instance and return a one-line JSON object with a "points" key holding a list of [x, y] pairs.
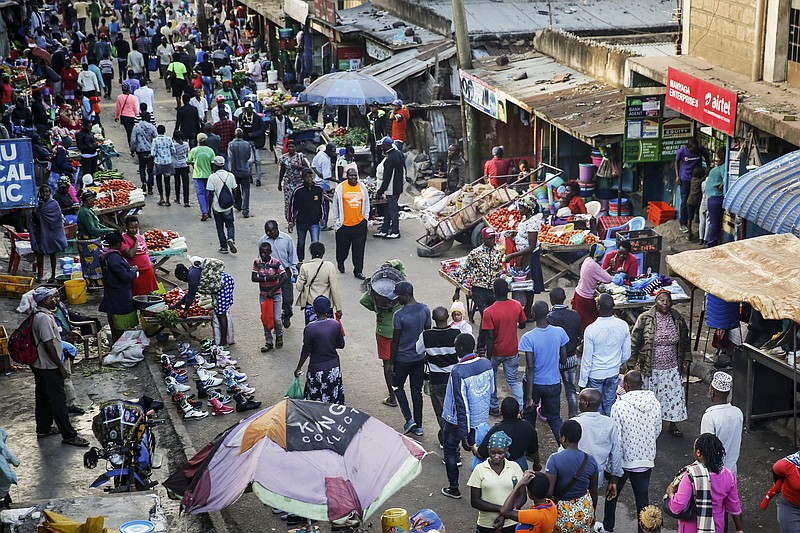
{"points": [[49, 373], [723, 419], [107, 71], [499, 328], [305, 211], [200, 158], [438, 347], [292, 164], [394, 171], [239, 153], [568, 320], [317, 277], [121, 51], [163, 151], [466, 406], [187, 121], [687, 158], [179, 160], [606, 347], [220, 186], [225, 128], [280, 128], [87, 82], [255, 132], [142, 137], [483, 266], [638, 414], [47, 235], [600, 435], [269, 274], [375, 132], [409, 322], [545, 350], [524, 444], [137, 64], [284, 251], [350, 213], [321, 339], [146, 95]]}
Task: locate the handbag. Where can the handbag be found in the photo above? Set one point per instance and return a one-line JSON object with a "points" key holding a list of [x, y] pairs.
{"points": [[557, 497], [686, 514]]}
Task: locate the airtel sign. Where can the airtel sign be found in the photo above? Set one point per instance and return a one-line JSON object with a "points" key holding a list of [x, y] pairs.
{"points": [[716, 107]]}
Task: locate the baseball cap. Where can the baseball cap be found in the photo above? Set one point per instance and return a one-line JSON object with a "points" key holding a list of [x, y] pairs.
{"points": [[40, 293], [202, 137], [218, 161], [387, 140], [397, 102], [487, 232]]}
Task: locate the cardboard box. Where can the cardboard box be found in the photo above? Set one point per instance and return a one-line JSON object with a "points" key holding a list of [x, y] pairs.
{"points": [[438, 183]]}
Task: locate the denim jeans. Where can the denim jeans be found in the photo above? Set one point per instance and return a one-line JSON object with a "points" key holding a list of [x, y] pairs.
{"points": [[224, 221], [256, 164], [287, 293], [202, 195], [685, 187], [277, 304], [568, 380], [241, 195], [549, 397], [640, 481], [414, 373], [608, 388], [302, 229], [208, 88], [450, 444], [437, 401], [391, 222], [146, 163], [511, 373]]}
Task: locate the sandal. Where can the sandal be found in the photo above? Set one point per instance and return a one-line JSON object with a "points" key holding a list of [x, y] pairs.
{"points": [[53, 431], [676, 433], [387, 401]]}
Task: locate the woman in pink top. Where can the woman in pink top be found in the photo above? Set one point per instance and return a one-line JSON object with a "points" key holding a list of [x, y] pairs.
{"points": [[591, 274], [711, 485], [134, 249], [127, 110]]}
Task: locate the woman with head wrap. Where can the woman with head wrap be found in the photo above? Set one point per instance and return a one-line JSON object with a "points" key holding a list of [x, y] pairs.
{"points": [[528, 253], [67, 199], [118, 278], [491, 482], [90, 233], [591, 274], [47, 231], [321, 339]]}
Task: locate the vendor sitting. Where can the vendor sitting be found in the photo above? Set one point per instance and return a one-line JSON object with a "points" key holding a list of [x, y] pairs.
{"points": [[572, 199], [621, 260]]}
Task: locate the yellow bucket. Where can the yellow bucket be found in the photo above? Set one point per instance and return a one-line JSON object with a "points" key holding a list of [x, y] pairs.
{"points": [[76, 291], [395, 521]]}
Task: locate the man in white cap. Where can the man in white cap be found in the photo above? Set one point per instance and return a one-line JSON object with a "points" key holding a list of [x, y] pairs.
{"points": [[723, 419], [221, 185]]}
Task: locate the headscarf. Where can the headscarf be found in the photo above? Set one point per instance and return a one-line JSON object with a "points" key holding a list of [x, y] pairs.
{"points": [[322, 306], [500, 439], [63, 180], [598, 251], [527, 201]]}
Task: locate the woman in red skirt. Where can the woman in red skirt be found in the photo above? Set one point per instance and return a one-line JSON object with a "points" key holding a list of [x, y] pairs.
{"points": [[591, 274]]}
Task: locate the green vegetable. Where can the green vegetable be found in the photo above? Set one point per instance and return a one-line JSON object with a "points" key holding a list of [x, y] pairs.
{"points": [[354, 136], [168, 318]]}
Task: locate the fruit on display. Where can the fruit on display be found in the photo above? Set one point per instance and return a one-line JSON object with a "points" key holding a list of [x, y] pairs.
{"points": [[175, 295], [157, 239], [563, 236], [116, 185], [113, 199], [504, 219]]}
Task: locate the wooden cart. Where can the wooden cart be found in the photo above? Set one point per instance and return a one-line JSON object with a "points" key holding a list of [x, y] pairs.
{"points": [[471, 307], [115, 216], [184, 329], [562, 267]]}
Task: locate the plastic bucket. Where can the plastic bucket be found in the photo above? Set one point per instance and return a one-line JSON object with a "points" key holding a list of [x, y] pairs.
{"points": [[397, 519], [76, 291], [586, 172], [123, 322], [721, 314], [616, 211]]}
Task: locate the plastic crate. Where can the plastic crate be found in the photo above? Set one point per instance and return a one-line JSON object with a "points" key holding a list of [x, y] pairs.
{"points": [[641, 241], [14, 286], [660, 212]]}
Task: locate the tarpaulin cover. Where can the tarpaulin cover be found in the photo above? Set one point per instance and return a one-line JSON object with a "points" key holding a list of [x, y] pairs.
{"points": [[762, 271]]}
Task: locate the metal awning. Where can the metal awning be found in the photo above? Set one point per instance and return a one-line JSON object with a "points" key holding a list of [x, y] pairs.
{"points": [[408, 63], [769, 196]]}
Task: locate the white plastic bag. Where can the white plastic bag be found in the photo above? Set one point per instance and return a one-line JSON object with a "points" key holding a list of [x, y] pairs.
{"points": [[128, 350], [215, 326]]}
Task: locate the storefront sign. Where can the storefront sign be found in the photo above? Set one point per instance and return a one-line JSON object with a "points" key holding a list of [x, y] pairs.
{"points": [[377, 51], [653, 132], [702, 101], [483, 96], [17, 182], [296, 9]]}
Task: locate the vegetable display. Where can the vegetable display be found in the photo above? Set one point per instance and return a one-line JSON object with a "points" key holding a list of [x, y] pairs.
{"points": [[563, 236], [175, 295], [113, 199], [354, 136], [504, 219], [116, 185], [157, 239], [168, 318]]}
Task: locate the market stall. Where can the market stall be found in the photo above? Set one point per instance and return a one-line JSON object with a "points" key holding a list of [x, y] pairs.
{"points": [[116, 199], [182, 326], [162, 246]]}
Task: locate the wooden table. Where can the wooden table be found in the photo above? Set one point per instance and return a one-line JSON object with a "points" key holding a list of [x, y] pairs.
{"points": [[115, 216], [185, 328], [471, 307], [562, 267], [162, 256]]}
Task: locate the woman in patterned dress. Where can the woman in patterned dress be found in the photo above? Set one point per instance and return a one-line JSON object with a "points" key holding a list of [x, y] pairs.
{"points": [[289, 176], [321, 339], [659, 344]]}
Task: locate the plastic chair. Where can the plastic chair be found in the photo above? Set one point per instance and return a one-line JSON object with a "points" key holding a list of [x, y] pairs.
{"points": [[593, 208], [636, 223], [14, 257]]}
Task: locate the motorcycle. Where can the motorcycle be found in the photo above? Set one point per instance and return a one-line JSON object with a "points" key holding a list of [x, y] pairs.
{"points": [[124, 429]]}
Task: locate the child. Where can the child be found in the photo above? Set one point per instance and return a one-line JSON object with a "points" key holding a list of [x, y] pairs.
{"points": [[457, 312], [541, 516], [269, 274], [695, 198], [651, 519]]}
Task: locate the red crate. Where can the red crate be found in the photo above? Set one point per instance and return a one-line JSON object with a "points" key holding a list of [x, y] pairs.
{"points": [[660, 212]]}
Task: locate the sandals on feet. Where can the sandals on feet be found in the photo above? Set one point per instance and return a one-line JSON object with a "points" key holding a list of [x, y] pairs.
{"points": [[53, 431]]}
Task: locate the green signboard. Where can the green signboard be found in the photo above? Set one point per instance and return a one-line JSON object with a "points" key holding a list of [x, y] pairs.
{"points": [[652, 131]]}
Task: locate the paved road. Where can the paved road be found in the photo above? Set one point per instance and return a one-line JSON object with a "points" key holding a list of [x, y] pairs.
{"points": [[363, 380]]}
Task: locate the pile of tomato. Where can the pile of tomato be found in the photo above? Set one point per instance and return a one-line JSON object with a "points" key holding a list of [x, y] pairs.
{"points": [[117, 186], [553, 235], [504, 219], [157, 239], [175, 295]]}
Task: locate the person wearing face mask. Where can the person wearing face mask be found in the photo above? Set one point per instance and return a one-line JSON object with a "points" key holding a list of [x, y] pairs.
{"points": [[134, 249]]}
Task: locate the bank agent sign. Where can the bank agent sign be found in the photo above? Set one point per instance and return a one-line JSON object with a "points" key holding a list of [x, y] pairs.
{"points": [[17, 182]]}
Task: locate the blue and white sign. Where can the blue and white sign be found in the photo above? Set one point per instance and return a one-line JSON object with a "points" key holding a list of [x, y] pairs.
{"points": [[17, 176]]}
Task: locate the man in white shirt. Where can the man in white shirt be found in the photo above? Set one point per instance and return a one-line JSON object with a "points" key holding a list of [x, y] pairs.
{"points": [[88, 83], [606, 347], [222, 203], [600, 435], [723, 419], [216, 109], [323, 166], [136, 64], [199, 103], [146, 95]]}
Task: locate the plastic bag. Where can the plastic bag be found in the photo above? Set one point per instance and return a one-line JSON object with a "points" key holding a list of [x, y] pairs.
{"points": [[295, 391], [128, 350], [268, 313]]}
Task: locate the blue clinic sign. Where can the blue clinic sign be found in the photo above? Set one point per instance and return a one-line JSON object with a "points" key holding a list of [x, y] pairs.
{"points": [[17, 176]]}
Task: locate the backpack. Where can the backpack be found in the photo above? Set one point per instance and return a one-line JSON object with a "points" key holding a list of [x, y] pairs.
{"points": [[22, 345], [225, 198]]}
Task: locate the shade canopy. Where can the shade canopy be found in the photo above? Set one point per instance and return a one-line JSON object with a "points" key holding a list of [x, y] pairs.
{"points": [[348, 88], [762, 271], [769, 196]]}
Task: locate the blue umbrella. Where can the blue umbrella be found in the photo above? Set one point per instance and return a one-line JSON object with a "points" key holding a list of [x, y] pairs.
{"points": [[348, 88]]}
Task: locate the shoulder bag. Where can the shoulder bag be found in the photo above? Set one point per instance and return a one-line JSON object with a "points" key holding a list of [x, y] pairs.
{"points": [[557, 497], [686, 514]]}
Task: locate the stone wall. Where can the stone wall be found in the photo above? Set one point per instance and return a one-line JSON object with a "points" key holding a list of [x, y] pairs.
{"points": [[722, 32]]}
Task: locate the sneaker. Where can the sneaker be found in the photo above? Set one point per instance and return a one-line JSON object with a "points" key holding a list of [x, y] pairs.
{"points": [[180, 378], [452, 492], [202, 363], [409, 426], [203, 374], [418, 431], [684, 229], [598, 528], [393, 236], [194, 414], [238, 376], [380, 235], [223, 250], [172, 383], [232, 246], [209, 382], [218, 408], [224, 360], [216, 395]]}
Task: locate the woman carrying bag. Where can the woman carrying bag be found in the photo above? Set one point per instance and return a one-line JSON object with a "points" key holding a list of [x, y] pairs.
{"points": [[317, 278], [704, 491], [321, 340]]}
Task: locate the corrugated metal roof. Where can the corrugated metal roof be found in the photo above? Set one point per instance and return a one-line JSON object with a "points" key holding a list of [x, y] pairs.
{"points": [[408, 63], [612, 16], [378, 25], [769, 196]]}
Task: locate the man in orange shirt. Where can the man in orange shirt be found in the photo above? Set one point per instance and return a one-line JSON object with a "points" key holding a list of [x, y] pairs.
{"points": [[400, 118], [350, 213]]}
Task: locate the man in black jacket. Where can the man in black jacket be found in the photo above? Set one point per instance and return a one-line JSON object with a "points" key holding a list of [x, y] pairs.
{"points": [[305, 211], [394, 170], [87, 144], [279, 128], [255, 131], [187, 121], [568, 320]]}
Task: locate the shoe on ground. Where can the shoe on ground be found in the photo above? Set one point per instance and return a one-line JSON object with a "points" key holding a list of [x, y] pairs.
{"points": [[194, 414], [223, 250], [380, 235], [204, 217], [452, 492], [278, 341], [340, 266], [409, 426], [219, 409], [598, 528], [359, 275], [266, 348], [684, 229], [80, 442], [287, 322], [232, 246], [418, 431], [75, 410], [393, 236]]}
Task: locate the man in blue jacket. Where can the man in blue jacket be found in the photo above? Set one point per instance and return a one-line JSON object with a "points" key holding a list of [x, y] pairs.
{"points": [[466, 406]]}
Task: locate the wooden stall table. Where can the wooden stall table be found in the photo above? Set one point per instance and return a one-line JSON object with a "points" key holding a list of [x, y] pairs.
{"points": [[630, 310], [115, 216], [184, 329], [471, 307], [161, 257], [562, 267]]}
